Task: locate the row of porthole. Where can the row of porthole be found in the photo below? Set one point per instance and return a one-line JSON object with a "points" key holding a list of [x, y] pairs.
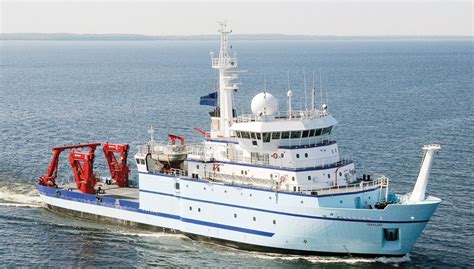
{"points": [[254, 218]]}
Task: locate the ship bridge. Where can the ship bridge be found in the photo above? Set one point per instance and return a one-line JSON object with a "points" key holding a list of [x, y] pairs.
{"points": [[299, 128]]}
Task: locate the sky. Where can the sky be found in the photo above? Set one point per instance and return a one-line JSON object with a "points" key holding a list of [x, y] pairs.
{"points": [[337, 18]]}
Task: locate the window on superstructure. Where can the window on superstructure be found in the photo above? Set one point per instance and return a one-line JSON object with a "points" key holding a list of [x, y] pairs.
{"points": [[296, 134], [235, 215], [274, 222], [292, 178], [297, 155], [266, 137], [329, 175], [318, 132], [259, 136], [309, 177], [276, 135], [294, 188], [285, 135], [306, 155], [252, 135], [197, 166], [142, 161], [138, 161], [254, 219], [237, 133], [311, 133], [305, 133], [245, 135], [254, 142]]}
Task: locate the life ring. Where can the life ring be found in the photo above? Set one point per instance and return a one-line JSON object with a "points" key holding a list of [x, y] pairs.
{"points": [[275, 155], [282, 179]]}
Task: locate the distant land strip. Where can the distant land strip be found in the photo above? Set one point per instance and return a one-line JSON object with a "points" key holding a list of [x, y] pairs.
{"points": [[131, 37]]}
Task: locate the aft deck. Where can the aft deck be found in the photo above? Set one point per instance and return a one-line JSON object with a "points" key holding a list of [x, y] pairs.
{"points": [[110, 191]]}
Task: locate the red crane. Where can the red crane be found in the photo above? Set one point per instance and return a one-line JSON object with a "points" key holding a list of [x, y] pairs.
{"points": [[202, 132], [49, 179], [173, 139], [118, 170], [82, 167]]}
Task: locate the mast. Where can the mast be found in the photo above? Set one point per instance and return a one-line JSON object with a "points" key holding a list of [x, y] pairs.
{"points": [[225, 63]]}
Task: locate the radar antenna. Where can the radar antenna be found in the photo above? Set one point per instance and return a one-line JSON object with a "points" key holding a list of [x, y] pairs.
{"points": [[305, 95], [151, 132]]}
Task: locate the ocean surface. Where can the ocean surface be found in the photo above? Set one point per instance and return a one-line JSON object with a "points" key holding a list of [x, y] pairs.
{"points": [[390, 97]]}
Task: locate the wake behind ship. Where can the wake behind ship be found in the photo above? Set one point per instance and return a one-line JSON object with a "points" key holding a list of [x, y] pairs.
{"points": [[271, 181]]}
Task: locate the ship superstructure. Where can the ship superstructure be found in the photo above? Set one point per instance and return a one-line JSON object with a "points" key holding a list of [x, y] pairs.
{"points": [[269, 180]]}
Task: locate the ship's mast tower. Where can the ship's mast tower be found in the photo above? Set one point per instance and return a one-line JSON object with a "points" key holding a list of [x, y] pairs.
{"points": [[225, 63]]}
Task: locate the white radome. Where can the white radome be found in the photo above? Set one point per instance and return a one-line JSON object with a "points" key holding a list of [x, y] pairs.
{"points": [[264, 104]]}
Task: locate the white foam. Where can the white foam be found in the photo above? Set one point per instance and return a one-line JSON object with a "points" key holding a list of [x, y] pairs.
{"points": [[20, 195], [331, 259], [19, 205], [150, 234]]}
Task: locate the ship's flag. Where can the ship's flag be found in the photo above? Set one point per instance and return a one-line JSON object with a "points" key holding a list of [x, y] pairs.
{"points": [[209, 100]]}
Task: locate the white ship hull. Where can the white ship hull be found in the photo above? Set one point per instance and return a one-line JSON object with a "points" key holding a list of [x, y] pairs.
{"points": [[256, 218]]}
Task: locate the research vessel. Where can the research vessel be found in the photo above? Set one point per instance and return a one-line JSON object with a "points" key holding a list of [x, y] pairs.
{"points": [[270, 181]]}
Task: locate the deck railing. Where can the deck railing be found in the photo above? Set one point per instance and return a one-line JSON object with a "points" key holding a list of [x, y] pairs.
{"points": [[268, 184], [283, 116]]}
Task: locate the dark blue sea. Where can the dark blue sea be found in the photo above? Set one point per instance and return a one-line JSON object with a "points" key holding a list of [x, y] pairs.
{"points": [[390, 97]]}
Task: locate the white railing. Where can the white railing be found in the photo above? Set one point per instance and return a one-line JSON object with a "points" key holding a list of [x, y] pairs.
{"points": [[161, 149], [224, 62], [283, 116], [382, 181], [198, 151]]}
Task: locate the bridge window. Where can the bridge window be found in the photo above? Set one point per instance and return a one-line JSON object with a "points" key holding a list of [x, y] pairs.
{"points": [[276, 135], [259, 136], [237, 133], [296, 134], [245, 135], [326, 130], [311, 132], [318, 132], [285, 135], [266, 137], [252, 135], [306, 133]]}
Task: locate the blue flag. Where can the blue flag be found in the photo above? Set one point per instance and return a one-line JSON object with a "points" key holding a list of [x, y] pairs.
{"points": [[209, 100]]}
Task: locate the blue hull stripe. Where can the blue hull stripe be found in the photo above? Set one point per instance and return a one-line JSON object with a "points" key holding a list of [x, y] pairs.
{"points": [[281, 213], [134, 207]]}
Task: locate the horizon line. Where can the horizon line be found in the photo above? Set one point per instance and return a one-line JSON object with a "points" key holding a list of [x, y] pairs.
{"points": [[257, 36]]}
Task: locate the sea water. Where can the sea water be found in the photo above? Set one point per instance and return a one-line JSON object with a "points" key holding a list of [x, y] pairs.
{"points": [[389, 96]]}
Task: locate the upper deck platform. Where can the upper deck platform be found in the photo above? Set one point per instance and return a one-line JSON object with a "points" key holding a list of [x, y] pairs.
{"points": [[296, 121]]}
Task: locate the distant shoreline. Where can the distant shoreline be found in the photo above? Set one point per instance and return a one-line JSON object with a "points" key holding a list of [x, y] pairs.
{"points": [[256, 37]]}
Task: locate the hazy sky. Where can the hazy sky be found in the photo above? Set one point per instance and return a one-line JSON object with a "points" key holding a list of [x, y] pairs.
{"points": [[181, 18]]}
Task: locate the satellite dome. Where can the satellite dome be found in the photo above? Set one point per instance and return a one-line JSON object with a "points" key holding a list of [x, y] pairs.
{"points": [[264, 104]]}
